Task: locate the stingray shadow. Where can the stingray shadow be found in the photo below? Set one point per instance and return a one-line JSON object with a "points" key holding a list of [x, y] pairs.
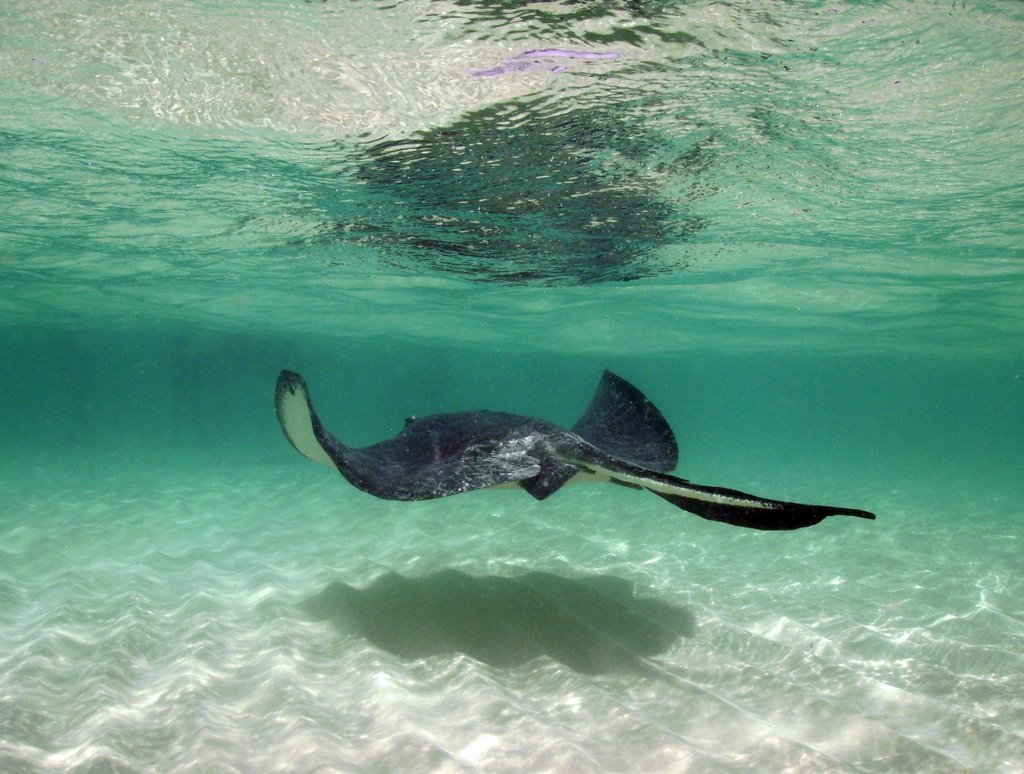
{"points": [[593, 624]]}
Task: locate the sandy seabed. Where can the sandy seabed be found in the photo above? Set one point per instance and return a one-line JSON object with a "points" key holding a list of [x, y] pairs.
{"points": [[156, 624]]}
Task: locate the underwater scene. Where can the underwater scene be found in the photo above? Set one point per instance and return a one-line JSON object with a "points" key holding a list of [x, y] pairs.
{"points": [[668, 369]]}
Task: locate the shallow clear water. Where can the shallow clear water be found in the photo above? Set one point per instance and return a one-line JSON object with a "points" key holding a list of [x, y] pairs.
{"points": [[797, 227]]}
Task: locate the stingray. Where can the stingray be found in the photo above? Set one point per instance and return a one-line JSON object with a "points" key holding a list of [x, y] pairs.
{"points": [[622, 438]]}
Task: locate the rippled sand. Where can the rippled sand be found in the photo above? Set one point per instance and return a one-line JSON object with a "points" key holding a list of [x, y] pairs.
{"points": [[155, 625]]}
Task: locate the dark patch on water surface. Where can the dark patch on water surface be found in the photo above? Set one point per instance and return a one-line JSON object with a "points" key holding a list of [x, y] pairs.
{"points": [[593, 624], [551, 10], [554, 15], [527, 192]]}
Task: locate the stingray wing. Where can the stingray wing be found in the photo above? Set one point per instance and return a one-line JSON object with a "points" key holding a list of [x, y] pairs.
{"points": [[432, 457], [622, 422]]}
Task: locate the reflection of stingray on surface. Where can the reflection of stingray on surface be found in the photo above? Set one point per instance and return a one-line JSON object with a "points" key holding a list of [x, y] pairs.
{"points": [[527, 191], [592, 625]]}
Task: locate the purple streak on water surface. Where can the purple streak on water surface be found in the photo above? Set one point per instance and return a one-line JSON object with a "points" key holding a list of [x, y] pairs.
{"points": [[528, 61]]}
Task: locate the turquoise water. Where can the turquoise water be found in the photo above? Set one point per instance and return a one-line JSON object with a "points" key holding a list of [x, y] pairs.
{"points": [[796, 227]]}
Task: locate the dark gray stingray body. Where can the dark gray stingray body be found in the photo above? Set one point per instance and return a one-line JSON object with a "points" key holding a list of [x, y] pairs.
{"points": [[622, 438]]}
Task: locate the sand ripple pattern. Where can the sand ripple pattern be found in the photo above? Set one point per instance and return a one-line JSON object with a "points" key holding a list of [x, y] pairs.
{"points": [[153, 625]]}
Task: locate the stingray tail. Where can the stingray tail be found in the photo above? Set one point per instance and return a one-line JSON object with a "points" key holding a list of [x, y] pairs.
{"points": [[756, 512], [715, 503]]}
